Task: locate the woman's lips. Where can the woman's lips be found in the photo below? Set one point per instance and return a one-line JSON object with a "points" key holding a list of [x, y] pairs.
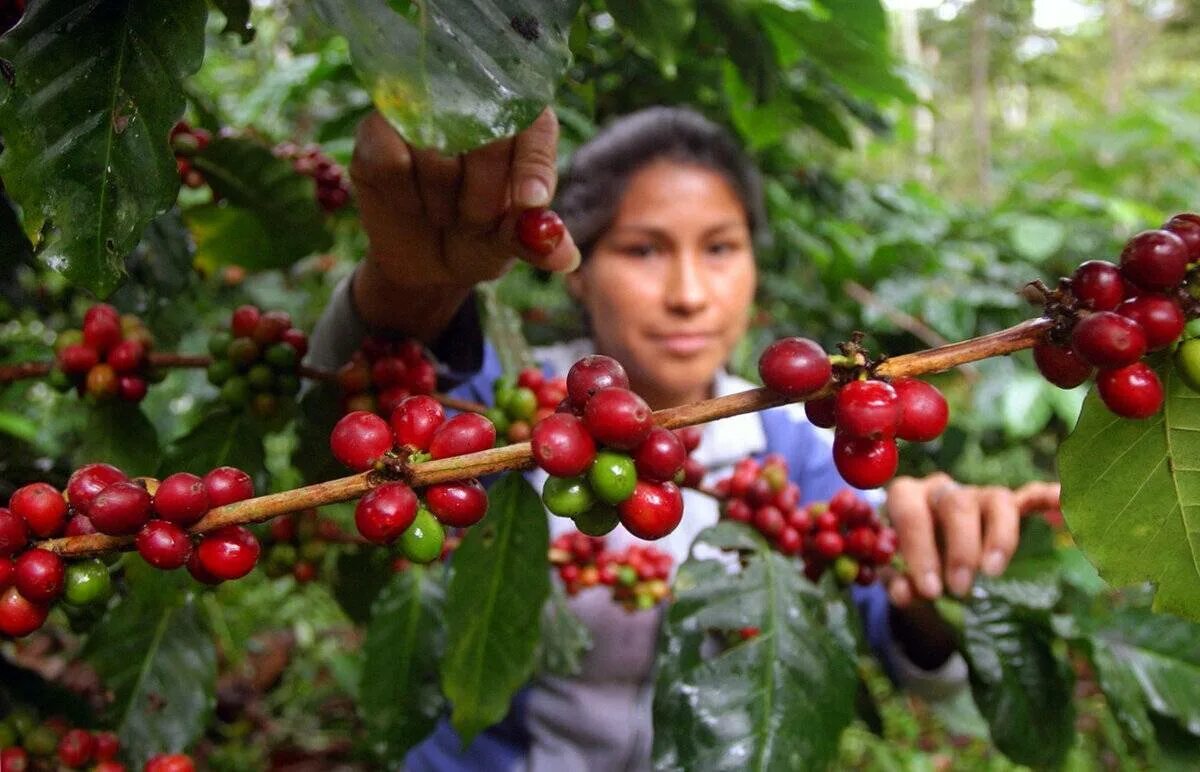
{"points": [[684, 344]]}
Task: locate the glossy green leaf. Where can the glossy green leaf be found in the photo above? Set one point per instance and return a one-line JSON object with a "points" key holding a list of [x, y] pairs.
{"points": [[1021, 687], [85, 123], [565, 639], [399, 697], [160, 663], [494, 606], [660, 29], [502, 328], [456, 75], [221, 438], [119, 433], [776, 701], [268, 217], [361, 575], [15, 248], [1036, 238], [1131, 495]]}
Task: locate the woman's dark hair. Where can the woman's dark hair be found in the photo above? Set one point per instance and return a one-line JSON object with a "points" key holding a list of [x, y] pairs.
{"points": [[592, 187]]}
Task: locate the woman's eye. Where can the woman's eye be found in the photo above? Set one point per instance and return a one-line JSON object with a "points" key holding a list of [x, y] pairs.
{"points": [[639, 250], [723, 248]]}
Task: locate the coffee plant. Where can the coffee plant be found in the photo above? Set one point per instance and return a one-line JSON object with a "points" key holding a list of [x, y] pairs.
{"points": [[141, 495]]}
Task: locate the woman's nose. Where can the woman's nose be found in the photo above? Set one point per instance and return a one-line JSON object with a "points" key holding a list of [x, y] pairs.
{"points": [[687, 290]]}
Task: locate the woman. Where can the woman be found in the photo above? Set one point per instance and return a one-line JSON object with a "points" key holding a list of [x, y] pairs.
{"points": [[663, 211]]}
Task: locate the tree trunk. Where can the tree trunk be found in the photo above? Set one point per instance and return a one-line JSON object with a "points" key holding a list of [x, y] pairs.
{"points": [[980, 107], [923, 127]]}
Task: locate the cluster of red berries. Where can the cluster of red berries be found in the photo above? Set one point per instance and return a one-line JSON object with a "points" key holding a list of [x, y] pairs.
{"points": [[518, 406], [418, 430], [760, 494], [540, 230], [101, 499], [607, 461], [256, 361], [868, 415], [333, 187], [186, 142], [382, 373], [107, 359], [295, 543], [639, 574], [54, 744], [1134, 307]]}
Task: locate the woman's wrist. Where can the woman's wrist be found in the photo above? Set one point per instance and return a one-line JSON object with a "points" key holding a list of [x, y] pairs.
{"points": [[421, 312], [925, 638]]}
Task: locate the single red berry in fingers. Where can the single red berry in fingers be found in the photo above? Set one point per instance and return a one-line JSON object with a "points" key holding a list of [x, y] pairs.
{"points": [[39, 575], [1061, 365], [415, 420], [164, 545], [562, 445], [1133, 391], [540, 230], [359, 439], [865, 463], [1098, 285], [20, 616], [1108, 340], [591, 374], [457, 504], [868, 409], [181, 498], [618, 418], [41, 506], [386, 512], [229, 552], [227, 484], [464, 433], [1155, 260], [653, 511], [795, 367], [923, 410], [1159, 316]]}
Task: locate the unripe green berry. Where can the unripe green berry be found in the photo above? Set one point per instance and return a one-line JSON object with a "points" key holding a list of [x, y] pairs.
{"points": [[220, 371], [236, 391], [243, 352], [600, 520], [422, 541], [67, 338], [281, 356], [845, 568], [1187, 363], [87, 582], [499, 419], [218, 344], [287, 384], [260, 378], [522, 405], [567, 496], [612, 476]]}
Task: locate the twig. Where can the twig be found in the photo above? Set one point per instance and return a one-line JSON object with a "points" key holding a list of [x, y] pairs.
{"points": [[520, 456]]}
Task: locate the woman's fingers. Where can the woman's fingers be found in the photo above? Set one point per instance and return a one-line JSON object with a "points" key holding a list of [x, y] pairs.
{"points": [[1037, 497], [483, 198], [908, 507], [1001, 529], [438, 179], [534, 170], [957, 510]]}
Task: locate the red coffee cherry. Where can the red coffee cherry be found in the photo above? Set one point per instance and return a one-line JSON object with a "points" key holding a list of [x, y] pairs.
{"points": [[1155, 260], [923, 410], [42, 508], [14, 758], [828, 544], [769, 520], [164, 545], [76, 747], [107, 746], [39, 575], [77, 359], [79, 525], [181, 498], [822, 412], [1133, 391], [170, 762], [540, 230], [1061, 365], [271, 327], [7, 567], [1108, 340], [20, 616], [229, 552], [87, 481], [860, 542], [121, 508], [1187, 227], [101, 382], [127, 356], [591, 374], [660, 456], [297, 340], [868, 409], [458, 504], [653, 511], [464, 433], [386, 512], [795, 367], [422, 378], [1160, 318], [415, 420], [617, 418], [1098, 285], [101, 328], [388, 371], [131, 388], [789, 541], [227, 484], [359, 439], [865, 463], [199, 572], [244, 321], [739, 511], [562, 445]]}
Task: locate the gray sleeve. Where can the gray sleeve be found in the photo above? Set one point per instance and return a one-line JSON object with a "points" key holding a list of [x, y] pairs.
{"points": [[939, 683], [338, 332]]}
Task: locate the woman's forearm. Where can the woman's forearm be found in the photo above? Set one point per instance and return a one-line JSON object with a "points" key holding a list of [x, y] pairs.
{"points": [[417, 312]]}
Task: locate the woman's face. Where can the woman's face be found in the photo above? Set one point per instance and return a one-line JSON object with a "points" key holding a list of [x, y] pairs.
{"points": [[668, 287]]}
